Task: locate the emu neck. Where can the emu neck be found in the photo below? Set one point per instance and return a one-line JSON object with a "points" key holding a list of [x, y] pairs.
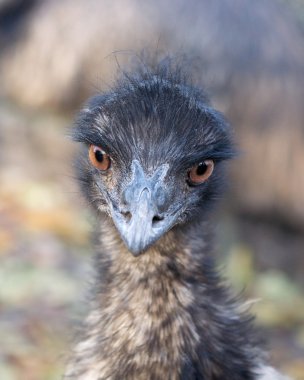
{"points": [[144, 302], [161, 315], [153, 286], [165, 273]]}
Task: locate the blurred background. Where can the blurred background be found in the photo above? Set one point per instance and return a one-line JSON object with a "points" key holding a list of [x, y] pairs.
{"points": [[249, 55]]}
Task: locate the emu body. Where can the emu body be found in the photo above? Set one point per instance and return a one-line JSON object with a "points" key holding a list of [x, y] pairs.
{"points": [[160, 311]]}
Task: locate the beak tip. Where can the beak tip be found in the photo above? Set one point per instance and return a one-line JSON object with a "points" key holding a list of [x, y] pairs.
{"points": [[136, 248], [135, 253]]}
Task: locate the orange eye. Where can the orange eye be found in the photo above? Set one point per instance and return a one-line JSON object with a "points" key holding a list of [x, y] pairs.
{"points": [[100, 159], [201, 172]]}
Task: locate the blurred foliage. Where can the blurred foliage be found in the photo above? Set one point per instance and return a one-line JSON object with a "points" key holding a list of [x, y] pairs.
{"points": [[278, 303], [275, 290], [41, 277]]}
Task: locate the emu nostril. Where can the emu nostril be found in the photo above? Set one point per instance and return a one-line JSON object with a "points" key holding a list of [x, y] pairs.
{"points": [[127, 215], [156, 219]]}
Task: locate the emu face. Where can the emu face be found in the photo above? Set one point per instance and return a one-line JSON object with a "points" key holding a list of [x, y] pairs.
{"points": [[152, 154]]}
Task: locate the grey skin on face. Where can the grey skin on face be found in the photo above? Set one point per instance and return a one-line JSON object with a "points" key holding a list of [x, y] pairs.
{"points": [[145, 215]]}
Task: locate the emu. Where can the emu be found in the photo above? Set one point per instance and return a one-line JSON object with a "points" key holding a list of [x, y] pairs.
{"points": [[152, 166]]}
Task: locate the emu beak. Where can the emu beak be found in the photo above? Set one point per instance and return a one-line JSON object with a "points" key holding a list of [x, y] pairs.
{"points": [[141, 223]]}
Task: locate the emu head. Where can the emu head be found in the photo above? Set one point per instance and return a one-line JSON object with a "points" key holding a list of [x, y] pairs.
{"points": [[152, 153]]}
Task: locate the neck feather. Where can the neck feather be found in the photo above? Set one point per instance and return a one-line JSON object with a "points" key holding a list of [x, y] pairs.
{"points": [[161, 315]]}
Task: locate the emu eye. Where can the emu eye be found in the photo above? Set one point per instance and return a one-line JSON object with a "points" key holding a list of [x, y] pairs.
{"points": [[100, 159], [201, 172]]}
